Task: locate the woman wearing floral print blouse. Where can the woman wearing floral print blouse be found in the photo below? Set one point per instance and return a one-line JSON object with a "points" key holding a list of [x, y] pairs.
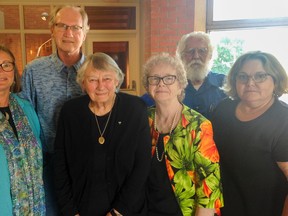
{"points": [[185, 174], [21, 185]]}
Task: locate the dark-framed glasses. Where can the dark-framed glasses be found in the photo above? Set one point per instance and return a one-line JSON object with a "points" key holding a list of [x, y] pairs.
{"points": [[257, 77], [201, 51], [64, 27], [167, 80], [7, 66]]}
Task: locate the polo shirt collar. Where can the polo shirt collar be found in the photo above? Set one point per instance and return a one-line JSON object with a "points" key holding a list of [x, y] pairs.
{"points": [[212, 80]]}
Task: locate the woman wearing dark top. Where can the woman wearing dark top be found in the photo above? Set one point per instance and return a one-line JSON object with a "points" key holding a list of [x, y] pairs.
{"points": [[250, 131], [102, 146]]}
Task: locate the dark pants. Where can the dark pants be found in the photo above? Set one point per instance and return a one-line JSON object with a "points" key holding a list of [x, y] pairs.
{"points": [[50, 195]]}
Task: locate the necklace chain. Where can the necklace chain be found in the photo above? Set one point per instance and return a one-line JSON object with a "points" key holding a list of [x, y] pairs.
{"points": [[171, 129], [101, 139]]}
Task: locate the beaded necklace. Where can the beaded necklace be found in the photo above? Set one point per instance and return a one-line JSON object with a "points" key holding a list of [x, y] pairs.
{"points": [[170, 132]]}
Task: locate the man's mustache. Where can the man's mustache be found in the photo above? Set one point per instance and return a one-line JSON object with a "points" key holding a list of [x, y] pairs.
{"points": [[194, 62]]}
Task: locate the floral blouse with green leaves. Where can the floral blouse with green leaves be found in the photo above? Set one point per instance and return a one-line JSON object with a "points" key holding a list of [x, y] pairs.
{"points": [[192, 162]]}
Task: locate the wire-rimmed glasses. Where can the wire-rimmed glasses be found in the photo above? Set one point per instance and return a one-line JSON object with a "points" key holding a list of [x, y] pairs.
{"points": [[257, 77], [63, 27], [191, 52]]}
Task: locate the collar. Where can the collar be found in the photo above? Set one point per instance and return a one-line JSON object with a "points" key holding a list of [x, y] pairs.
{"points": [[214, 79], [60, 65]]}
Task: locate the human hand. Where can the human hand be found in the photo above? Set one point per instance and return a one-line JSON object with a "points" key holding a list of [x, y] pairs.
{"points": [[113, 212]]}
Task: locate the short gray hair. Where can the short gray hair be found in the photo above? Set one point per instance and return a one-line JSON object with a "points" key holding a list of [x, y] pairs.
{"points": [[83, 13], [100, 61]]}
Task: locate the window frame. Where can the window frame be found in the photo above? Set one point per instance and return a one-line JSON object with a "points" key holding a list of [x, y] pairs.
{"points": [[212, 25]]}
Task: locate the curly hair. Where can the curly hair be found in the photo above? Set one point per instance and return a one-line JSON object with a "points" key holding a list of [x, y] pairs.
{"points": [[174, 62]]}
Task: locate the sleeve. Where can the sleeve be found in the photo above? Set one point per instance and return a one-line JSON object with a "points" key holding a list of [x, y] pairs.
{"points": [[209, 187], [280, 147], [5, 197], [63, 185], [131, 198], [28, 90]]}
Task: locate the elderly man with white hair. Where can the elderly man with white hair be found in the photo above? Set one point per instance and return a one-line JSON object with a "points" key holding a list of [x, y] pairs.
{"points": [[203, 92]]}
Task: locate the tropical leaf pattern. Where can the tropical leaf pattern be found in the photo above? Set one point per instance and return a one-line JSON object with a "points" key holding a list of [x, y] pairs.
{"points": [[192, 162]]}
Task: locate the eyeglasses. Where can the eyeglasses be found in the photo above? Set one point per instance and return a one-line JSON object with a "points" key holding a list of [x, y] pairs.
{"points": [[7, 66], [191, 52], [63, 27], [167, 80], [258, 77]]}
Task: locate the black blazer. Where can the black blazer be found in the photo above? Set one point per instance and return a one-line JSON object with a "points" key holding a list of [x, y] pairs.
{"points": [[127, 159]]}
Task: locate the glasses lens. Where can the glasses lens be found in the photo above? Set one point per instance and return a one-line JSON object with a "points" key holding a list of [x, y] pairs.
{"points": [[75, 28], [260, 77], [7, 66], [169, 80], [242, 78], [202, 51], [61, 26], [153, 80]]}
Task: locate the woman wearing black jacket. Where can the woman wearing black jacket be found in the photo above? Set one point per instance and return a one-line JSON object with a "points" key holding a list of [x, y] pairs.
{"points": [[103, 146]]}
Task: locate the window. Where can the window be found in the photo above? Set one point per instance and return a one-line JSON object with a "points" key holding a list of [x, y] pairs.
{"points": [[240, 26]]}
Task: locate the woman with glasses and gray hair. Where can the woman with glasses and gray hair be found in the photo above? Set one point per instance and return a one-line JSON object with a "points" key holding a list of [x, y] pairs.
{"points": [[185, 175], [21, 183], [250, 131], [103, 145]]}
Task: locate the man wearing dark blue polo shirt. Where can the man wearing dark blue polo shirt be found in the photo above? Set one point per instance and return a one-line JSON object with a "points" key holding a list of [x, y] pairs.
{"points": [[203, 92]]}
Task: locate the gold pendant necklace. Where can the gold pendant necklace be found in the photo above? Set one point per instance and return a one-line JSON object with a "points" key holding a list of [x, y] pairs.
{"points": [[101, 139], [171, 129]]}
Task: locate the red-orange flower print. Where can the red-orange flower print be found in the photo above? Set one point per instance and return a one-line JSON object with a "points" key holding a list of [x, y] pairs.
{"points": [[166, 139], [193, 135], [207, 190], [185, 122], [150, 121], [169, 170], [218, 205], [207, 144], [154, 136], [192, 175]]}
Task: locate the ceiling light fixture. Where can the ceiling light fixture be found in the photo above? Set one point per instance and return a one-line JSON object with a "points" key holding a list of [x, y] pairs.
{"points": [[44, 16]]}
